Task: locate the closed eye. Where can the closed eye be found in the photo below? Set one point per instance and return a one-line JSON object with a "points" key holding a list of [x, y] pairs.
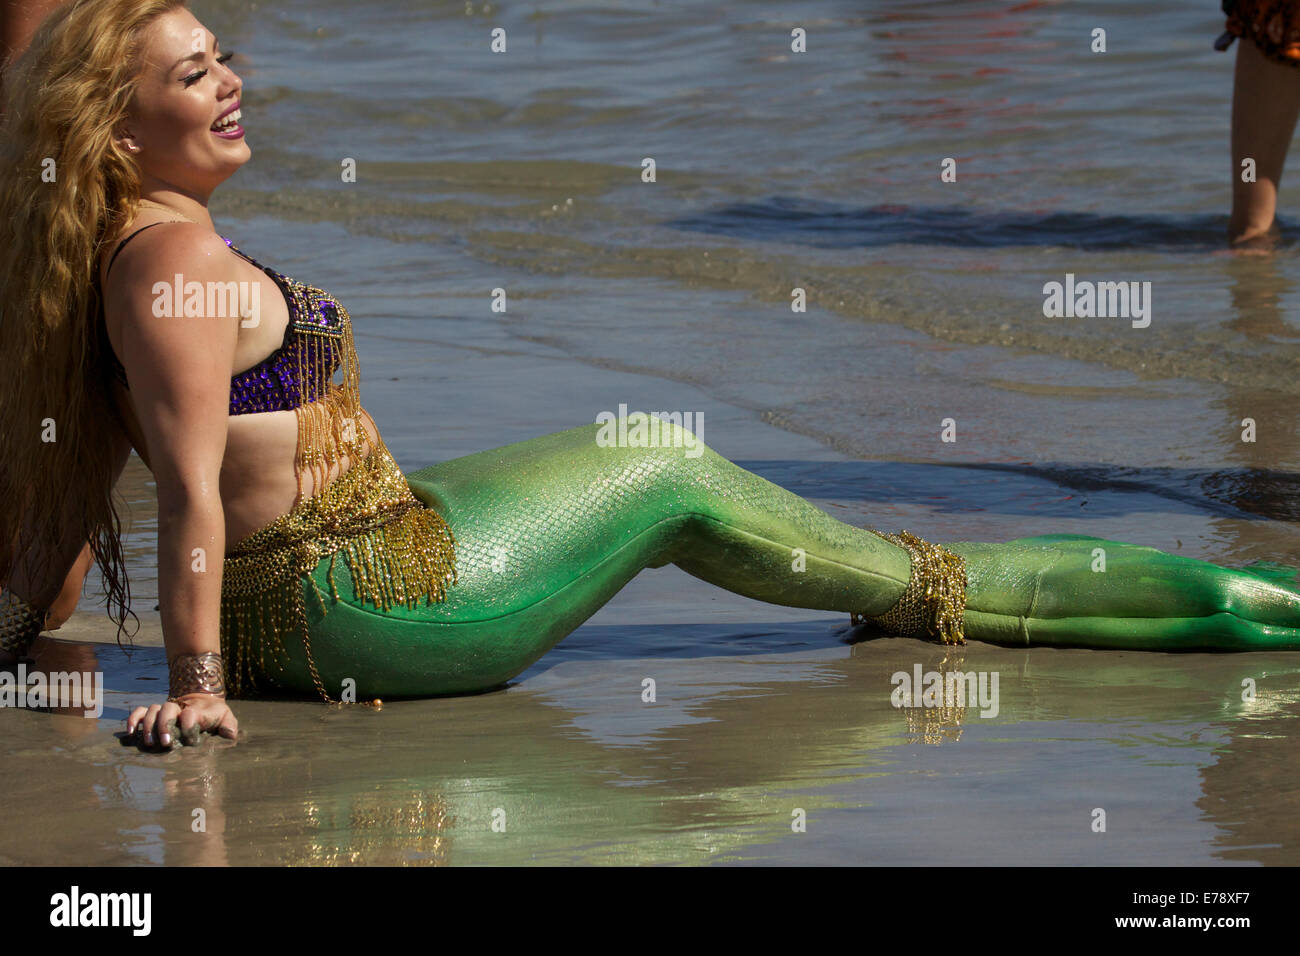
{"points": [[195, 77]]}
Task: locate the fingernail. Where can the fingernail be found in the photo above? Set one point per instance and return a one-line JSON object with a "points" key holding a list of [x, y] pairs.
{"points": [[166, 740]]}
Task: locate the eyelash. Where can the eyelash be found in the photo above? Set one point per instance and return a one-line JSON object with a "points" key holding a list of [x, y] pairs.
{"points": [[195, 77]]}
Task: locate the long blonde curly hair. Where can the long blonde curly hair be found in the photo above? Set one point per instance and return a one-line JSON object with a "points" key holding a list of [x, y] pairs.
{"points": [[66, 188]]}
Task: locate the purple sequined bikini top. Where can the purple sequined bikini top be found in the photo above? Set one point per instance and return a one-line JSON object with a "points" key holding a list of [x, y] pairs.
{"points": [[273, 385]]}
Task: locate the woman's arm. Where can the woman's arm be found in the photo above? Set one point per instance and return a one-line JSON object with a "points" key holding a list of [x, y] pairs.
{"points": [[179, 369]]}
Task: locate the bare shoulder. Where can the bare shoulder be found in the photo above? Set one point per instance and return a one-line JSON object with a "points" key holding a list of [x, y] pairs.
{"points": [[187, 248], [177, 357], [151, 281]]}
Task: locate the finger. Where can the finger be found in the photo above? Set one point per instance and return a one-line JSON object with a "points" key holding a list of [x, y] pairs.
{"points": [[190, 730], [166, 724], [150, 719], [229, 727], [133, 722], [156, 723]]}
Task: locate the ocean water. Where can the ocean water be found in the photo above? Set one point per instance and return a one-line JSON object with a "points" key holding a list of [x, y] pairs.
{"points": [[775, 171], [816, 171]]}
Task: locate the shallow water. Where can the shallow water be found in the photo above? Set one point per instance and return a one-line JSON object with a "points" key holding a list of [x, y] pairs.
{"points": [[925, 302], [756, 723]]}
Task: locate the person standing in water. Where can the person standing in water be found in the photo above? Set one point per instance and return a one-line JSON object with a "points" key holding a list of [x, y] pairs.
{"points": [[1265, 104]]}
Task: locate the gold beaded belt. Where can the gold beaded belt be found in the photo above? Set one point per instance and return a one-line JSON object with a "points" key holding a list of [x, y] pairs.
{"points": [[398, 550], [935, 598]]}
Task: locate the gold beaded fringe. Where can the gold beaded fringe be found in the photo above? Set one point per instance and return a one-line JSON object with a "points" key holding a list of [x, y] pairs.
{"points": [[397, 549], [935, 598]]}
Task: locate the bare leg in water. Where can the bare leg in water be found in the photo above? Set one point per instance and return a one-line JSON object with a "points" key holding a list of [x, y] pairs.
{"points": [[1265, 104]]}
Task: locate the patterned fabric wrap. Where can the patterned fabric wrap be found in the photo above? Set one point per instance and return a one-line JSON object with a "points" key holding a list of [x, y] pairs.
{"points": [[19, 623], [1272, 25]]}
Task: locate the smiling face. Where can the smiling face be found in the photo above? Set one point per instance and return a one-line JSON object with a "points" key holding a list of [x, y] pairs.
{"points": [[184, 89]]}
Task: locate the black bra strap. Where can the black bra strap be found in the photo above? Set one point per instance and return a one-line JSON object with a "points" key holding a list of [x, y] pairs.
{"points": [[132, 236]]}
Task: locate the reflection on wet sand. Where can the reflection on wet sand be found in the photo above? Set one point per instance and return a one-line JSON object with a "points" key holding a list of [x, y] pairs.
{"points": [[933, 723], [392, 827], [1250, 790], [572, 766]]}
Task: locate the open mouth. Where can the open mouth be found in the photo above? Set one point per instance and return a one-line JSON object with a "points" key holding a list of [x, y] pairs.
{"points": [[228, 123]]}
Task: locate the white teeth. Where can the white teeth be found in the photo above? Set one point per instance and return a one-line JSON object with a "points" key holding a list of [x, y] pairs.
{"points": [[227, 121]]}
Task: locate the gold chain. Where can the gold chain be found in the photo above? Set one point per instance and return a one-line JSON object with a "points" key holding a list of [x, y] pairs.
{"points": [[934, 601], [398, 551], [174, 212]]}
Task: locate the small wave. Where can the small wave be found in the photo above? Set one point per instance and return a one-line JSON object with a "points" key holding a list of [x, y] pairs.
{"points": [[829, 225]]}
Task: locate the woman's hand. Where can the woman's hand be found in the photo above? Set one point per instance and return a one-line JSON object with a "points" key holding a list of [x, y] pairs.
{"points": [[188, 719]]}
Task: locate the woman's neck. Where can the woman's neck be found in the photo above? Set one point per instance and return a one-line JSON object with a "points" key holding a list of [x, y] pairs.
{"points": [[162, 198]]}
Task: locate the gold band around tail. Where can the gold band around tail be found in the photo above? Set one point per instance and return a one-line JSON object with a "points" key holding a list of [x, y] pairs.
{"points": [[19, 623], [935, 599]]}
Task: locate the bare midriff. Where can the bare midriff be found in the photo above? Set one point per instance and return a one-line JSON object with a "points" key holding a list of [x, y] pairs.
{"points": [[259, 482]]}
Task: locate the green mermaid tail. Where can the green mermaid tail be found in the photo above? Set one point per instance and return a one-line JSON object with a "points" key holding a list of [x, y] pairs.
{"points": [[1273, 571], [547, 530], [1080, 591]]}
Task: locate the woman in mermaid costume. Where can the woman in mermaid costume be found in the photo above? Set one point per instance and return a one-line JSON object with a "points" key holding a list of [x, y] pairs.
{"points": [[367, 583]]}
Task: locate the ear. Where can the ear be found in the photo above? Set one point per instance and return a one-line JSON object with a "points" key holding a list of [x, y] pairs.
{"points": [[127, 141]]}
